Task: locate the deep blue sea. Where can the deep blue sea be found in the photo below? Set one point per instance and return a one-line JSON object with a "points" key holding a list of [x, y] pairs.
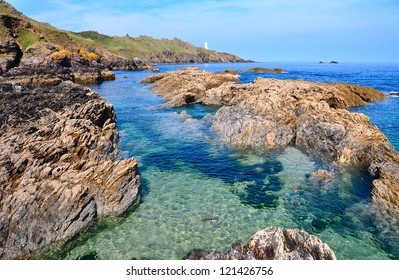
{"points": [[199, 193]]}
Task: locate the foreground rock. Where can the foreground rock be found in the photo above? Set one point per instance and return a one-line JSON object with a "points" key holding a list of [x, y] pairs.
{"points": [[271, 113], [59, 166], [273, 243]]}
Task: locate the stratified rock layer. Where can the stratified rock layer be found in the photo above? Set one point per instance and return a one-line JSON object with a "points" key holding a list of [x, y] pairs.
{"points": [[271, 113], [273, 243], [59, 166]]}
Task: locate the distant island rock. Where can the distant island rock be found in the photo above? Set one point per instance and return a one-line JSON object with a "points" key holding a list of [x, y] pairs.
{"points": [[333, 62], [394, 93], [263, 70]]}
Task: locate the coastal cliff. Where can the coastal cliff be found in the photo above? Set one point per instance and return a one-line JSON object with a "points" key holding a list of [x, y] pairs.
{"points": [[59, 166], [270, 113], [88, 54]]}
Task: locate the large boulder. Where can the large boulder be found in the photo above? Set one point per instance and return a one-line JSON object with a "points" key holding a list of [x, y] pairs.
{"points": [[273, 243]]}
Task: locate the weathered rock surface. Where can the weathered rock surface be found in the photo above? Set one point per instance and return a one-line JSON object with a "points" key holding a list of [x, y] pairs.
{"points": [[271, 113], [59, 166], [10, 54], [273, 243], [188, 85]]}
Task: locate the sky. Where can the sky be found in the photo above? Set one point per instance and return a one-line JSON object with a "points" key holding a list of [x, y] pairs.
{"points": [[267, 30]]}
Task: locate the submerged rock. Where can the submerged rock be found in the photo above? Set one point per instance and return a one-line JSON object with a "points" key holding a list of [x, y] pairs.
{"points": [[272, 243], [59, 166]]}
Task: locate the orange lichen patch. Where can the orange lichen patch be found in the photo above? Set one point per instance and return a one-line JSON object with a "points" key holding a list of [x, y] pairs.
{"points": [[61, 54], [93, 57]]}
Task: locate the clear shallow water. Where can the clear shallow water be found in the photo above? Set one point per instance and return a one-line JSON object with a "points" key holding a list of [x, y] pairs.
{"points": [[198, 193]]}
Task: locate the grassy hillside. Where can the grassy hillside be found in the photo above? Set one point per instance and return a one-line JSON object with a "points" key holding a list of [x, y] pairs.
{"points": [[143, 46], [29, 32]]}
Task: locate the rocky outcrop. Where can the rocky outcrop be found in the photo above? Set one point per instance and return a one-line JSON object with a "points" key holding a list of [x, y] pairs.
{"points": [[188, 85], [59, 165], [10, 54], [198, 56], [271, 113], [273, 243], [263, 70]]}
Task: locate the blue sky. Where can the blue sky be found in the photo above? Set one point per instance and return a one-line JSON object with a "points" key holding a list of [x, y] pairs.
{"points": [[267, 30]]}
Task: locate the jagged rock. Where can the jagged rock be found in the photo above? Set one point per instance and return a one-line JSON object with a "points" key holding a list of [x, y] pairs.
{"points": [[10, 54], [272, 243], [187, 86], [59, 166], [271, 113]]}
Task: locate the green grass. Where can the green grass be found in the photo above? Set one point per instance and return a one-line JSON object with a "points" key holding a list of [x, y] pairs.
{"points": [[28, 38], [143, 47]]}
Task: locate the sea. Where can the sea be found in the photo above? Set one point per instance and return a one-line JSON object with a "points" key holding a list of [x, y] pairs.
{"points": [[198, 193]]}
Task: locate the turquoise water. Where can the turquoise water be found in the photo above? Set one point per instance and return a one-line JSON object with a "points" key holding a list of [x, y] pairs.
{"points": [[198, 193]]}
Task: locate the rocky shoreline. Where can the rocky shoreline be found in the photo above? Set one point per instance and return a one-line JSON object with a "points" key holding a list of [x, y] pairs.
{"points": [[60, 166], [270, 113]]}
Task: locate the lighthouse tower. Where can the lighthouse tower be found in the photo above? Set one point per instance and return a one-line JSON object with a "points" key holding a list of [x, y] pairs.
{"points": [[206, 45]]}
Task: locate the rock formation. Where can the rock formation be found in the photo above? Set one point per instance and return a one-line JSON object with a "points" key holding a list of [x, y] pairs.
{"points": [[271, 113], [59, 166], [263, 70], [188, 85], [273, 243]]}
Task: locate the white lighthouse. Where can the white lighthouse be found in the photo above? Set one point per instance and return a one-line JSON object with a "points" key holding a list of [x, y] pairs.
{"points": [[206, 45]]}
